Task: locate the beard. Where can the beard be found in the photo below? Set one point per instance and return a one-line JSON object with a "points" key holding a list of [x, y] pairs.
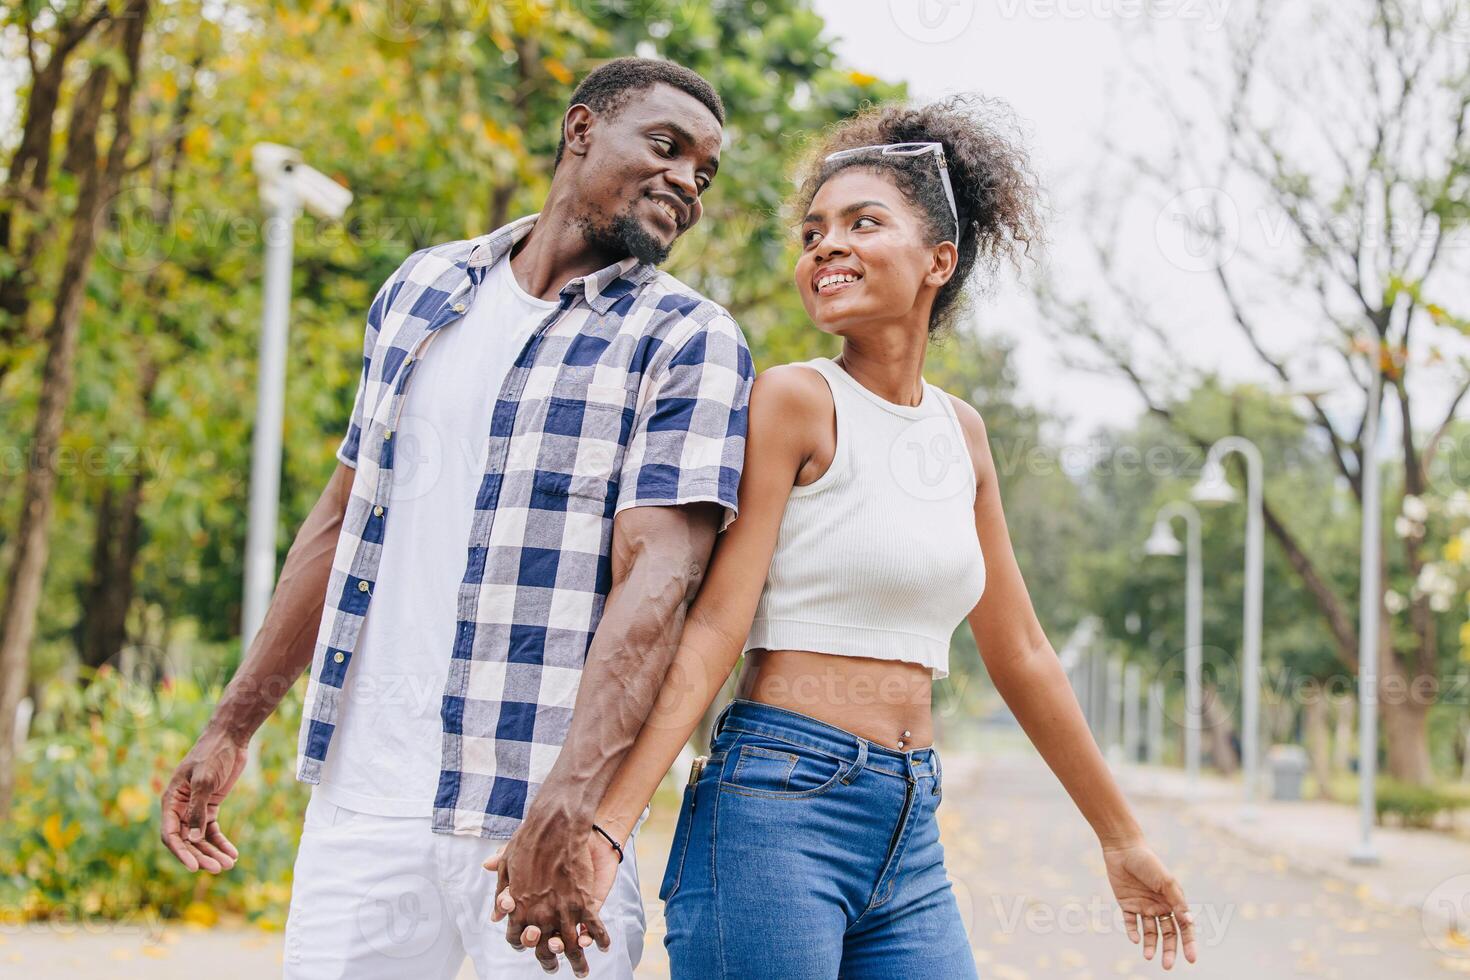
{"points": [[624, 234]]}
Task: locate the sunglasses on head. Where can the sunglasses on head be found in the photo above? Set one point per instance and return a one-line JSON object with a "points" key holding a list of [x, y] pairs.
{"points": [[908, 150]]}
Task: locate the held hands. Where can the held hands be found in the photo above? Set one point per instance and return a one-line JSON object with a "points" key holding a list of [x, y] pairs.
{"points": [[552, 889], [1144, 888], [190, 805]]}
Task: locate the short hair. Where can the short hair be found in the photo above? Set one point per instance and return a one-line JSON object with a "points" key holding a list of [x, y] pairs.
{"points": [[607, 88]]}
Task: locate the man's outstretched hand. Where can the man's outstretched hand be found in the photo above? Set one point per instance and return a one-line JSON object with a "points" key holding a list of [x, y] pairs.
{"points": [[191, 803], [563, 901]]}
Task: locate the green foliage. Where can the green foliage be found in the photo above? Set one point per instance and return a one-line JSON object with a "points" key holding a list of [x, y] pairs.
{"points": [[83, 840], [1414, 806], [443, 124]]}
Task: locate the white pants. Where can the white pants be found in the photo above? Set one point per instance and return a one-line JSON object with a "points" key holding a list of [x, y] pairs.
{"points": [[386, 897]]}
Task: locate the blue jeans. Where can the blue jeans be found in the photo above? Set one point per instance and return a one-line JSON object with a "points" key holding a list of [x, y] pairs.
{"points": [[804, 851]]}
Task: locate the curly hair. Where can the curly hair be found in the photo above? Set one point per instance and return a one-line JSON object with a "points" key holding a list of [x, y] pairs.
{"points": [[996, 193]]}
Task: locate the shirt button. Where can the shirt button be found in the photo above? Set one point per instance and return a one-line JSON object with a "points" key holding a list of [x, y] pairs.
{"points": [[378, 511], [338, 657], [459, 307], [362, 586]]}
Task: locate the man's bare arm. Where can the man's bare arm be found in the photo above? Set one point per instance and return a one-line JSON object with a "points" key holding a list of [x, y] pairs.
{"points": [[280, 652]]}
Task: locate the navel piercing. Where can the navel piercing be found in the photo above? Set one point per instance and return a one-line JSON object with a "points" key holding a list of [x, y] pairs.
{"points": [[900, 741]]}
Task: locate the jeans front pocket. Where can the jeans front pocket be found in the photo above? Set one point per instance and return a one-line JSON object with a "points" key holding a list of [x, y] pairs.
{"points": [[678, 847], [777, 770]]}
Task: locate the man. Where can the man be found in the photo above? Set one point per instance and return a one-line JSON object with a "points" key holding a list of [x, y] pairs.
{"points": [[547, 436]]}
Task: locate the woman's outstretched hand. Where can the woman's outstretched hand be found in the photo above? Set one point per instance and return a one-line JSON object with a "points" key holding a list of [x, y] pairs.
{"points": [[1146, 890]]}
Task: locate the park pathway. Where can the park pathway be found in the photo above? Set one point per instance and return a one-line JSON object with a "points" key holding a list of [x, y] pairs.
{"points": [[1030, 884]]}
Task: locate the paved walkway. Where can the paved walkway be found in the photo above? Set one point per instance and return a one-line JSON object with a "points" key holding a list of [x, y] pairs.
{"points": [[1424, 871], [1276, 899]]}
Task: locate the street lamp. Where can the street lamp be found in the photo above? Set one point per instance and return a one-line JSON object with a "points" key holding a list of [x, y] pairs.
{"points": [[1370, 594], [1214, 488], [1161, 541], [286, 185]]}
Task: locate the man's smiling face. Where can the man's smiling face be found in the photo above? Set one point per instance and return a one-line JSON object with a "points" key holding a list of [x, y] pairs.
{"points": [[643, 168]]}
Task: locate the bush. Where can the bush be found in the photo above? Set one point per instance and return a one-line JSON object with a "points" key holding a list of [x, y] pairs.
{"points": [[82, 841], [1415, 806]]}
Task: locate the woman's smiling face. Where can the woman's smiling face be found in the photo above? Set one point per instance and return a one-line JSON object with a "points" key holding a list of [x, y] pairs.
{"points": [[866, 253]]}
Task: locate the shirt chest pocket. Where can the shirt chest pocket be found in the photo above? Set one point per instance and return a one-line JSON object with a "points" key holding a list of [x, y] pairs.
{"points": [[583, 437]]}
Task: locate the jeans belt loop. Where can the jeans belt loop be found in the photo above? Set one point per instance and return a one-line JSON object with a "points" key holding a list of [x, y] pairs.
{"points": [[938, 768], [858, 763], [720, 720]]}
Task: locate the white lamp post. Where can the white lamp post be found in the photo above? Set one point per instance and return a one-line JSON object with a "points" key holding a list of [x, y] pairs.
{"points": [[1155, 748], [1214, 488], [1369, 596], [1132, 682], [286, 185], [1161, 541]]}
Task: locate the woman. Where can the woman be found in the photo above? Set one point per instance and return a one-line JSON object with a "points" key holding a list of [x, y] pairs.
{"points": [[870, 525]]}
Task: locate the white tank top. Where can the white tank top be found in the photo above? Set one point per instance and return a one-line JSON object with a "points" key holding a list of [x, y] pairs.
{"points": [[879, 556]]}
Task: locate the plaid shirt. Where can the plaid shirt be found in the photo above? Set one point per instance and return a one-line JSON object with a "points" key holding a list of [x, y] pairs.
{"points": [[632, 392]]}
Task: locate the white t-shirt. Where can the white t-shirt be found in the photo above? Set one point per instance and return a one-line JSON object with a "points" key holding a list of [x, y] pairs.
{"points": [[385, 756]]}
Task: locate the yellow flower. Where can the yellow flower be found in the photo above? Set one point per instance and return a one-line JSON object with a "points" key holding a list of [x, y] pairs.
{"points": [[56, 835], [861, 78], [134, 803], [200, 914]]}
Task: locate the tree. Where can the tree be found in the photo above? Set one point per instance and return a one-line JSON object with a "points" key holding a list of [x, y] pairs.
{"points": [[1350, 147], [97, 169]]}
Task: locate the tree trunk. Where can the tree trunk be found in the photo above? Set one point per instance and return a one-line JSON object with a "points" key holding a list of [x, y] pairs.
{"points": [[1344, 738], [1319, 742], [28, 568], [1406, 738], [1219, 727], [1465, 753], [29, 173], [109, 593]]}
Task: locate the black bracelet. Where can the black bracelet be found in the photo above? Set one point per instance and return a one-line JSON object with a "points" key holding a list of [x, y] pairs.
{"points": [[615, 845]]}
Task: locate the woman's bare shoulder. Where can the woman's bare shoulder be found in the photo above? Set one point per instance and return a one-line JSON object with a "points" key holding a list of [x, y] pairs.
{"points": [[792, 385]]}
